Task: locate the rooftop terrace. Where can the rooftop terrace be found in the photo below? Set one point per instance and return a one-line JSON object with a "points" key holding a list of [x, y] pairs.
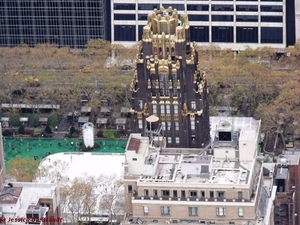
{"points": [[199, 169]]}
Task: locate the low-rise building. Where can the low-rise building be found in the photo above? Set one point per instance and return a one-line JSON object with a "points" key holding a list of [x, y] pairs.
{"points": [[219, 184], [33, 203]]}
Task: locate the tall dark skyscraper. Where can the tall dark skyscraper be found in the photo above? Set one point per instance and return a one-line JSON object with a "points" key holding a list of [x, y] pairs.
{"points": [[168, 81], [65, 23]]}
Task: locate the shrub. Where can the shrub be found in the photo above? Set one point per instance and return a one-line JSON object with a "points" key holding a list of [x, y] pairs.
{"points": [[21, 130], [72, 131], [109, 134], [33, 120], [48, 130], [6, 133], [28, 132], [54, 119], [37, 132], [100, 133]]}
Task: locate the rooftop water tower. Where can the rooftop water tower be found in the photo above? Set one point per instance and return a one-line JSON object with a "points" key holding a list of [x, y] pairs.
{"points": [[88, 134], [153, 130]]}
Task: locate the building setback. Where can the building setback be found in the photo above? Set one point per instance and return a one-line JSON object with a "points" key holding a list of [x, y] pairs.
{"points": [[65, 23], [229, 24], [168, 82]]}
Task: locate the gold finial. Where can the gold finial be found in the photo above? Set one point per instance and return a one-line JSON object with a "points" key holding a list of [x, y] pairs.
{"points": [[156, 84], [146, 109], [149, 83], [178, 84], [195, 77], [184, 109], [170, 84]]}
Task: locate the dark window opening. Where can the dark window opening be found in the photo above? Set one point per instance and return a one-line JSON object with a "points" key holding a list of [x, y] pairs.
{"points": [[182, 194], [193, 193], [224, 136], [165, 193], [222, 34], [129, 189], [199, 33], [202, 194], [247, 34], [271, 35], [221, 194], [224, 18], [174, 193]]}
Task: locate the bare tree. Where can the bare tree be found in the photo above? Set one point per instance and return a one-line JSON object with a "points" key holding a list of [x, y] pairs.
{"points": [[83, 197]]}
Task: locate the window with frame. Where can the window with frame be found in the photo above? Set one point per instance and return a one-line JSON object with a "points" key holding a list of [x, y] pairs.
{"points": [[193, 138], [175, 194], [162, 109], [175, 83], [193, 194], [146, 210], [193, 211], [163, 124], [177, 140], [176, 125], [202, 194], [165, 210], [240, 195], [155, 193], [176, 109], [165, 193], [169, 140], [168, 125], [163, 82], [140, 122], [192, 124], [154, 109], [168, 109], [182, 193], [193, 105], [241, 212], [146, 192], [140, 104], [221, 211], [129, 188], [221, 194]]}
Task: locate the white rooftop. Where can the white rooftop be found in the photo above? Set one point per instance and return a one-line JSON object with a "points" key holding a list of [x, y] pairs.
{"points": [[30, 195], [174, 168], [73, 165], [247, 126]]}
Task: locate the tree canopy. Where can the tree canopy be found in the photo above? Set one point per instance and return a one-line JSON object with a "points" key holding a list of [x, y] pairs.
{"points": [[22, 169]]}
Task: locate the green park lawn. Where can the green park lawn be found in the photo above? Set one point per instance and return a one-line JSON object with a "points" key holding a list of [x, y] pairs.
{"points": [[40, 148]]}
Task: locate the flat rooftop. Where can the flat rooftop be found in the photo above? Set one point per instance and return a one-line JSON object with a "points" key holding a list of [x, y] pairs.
{"points": [[170, 169], [247, 127], [31, 193]]}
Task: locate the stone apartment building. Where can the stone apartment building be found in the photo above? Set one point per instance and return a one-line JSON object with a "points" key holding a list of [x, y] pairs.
{"points": [[220, 185]]}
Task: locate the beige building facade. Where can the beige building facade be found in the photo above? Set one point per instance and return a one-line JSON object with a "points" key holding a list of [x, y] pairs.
{"points": [[204, 186]]}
